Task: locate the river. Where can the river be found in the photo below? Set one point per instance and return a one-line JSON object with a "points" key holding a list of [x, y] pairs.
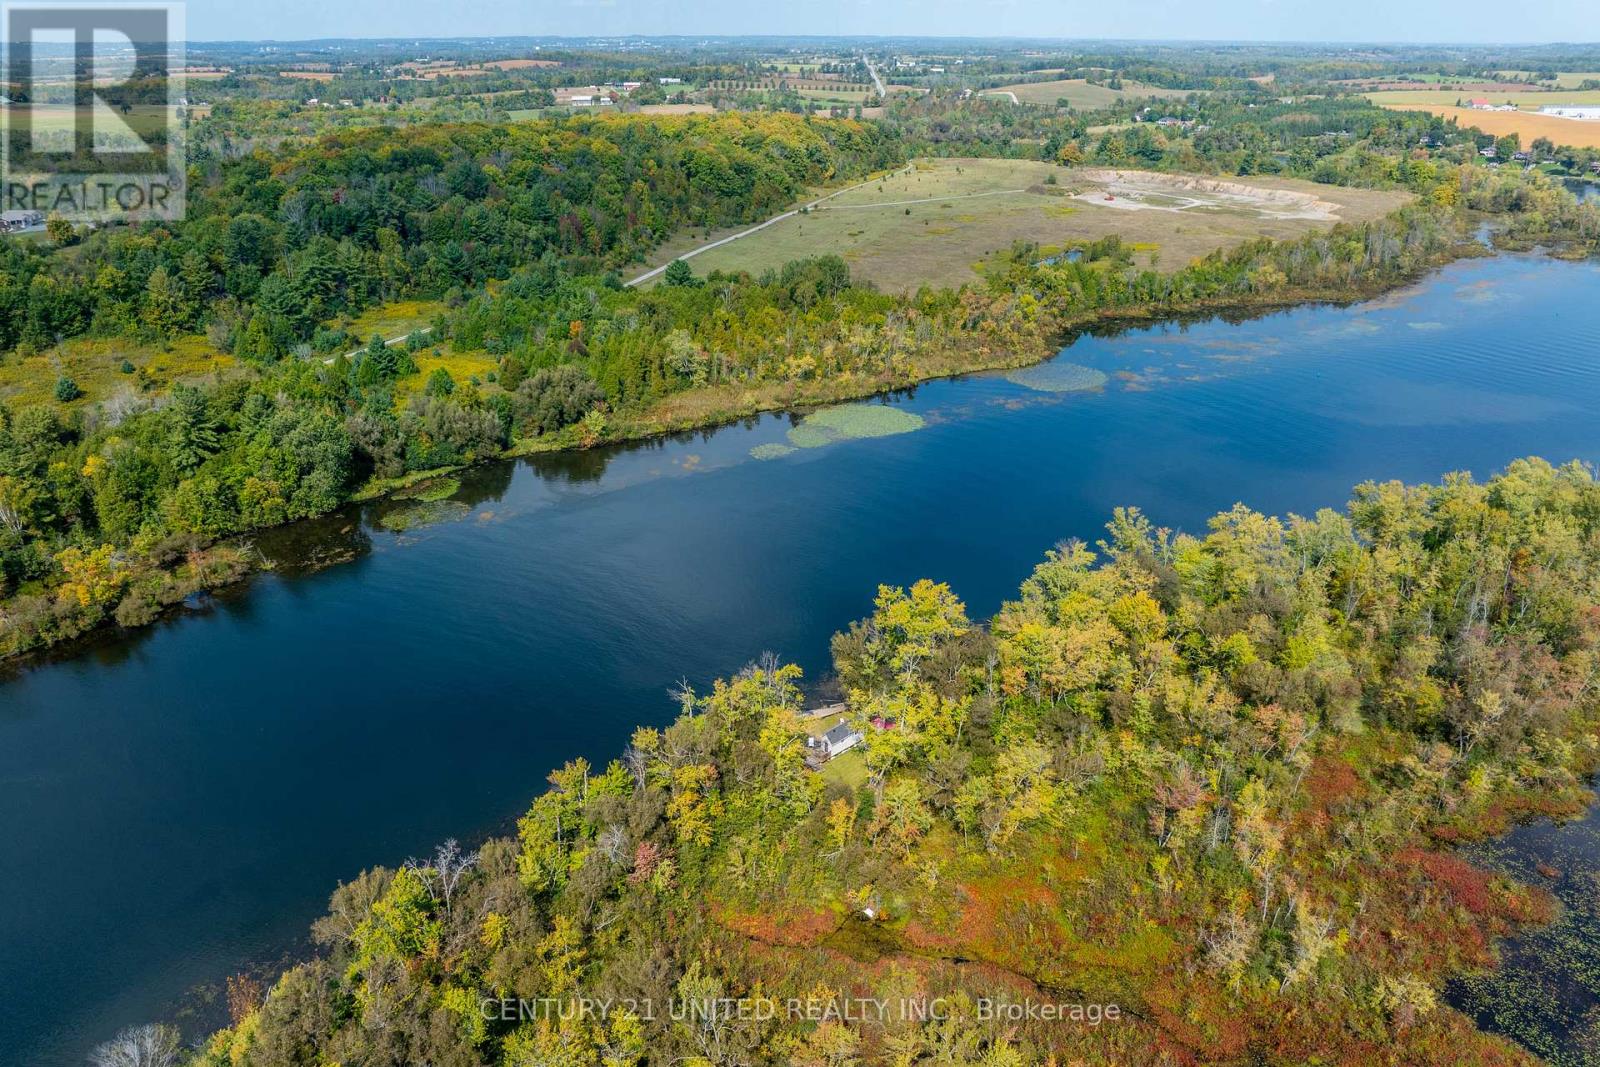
{"points": [[178, 802]]}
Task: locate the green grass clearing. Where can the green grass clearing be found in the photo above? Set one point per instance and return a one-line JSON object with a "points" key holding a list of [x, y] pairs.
{"points": [[848, 769], [95, 364], [1565, 79], [935, 224], [393, 320]]}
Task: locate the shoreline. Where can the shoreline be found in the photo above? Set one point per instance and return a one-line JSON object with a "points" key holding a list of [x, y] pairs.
{"points": [[1404, 299], [236, 559]]}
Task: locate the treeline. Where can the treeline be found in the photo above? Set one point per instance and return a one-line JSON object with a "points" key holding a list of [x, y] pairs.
{"points": [[1211, 779], [274, 247], [1335, 140], [99, 511]]}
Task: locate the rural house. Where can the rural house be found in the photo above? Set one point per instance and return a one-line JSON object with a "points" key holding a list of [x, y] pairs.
{"points": [[841, 738]]}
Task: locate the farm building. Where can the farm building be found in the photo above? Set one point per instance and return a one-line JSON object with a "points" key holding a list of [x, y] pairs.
{"points": [[1591, 114]]}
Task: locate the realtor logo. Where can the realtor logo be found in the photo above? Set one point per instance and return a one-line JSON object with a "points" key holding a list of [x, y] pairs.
{"points": [[92, 124]]}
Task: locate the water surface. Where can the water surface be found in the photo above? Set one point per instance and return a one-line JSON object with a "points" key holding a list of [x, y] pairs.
{"points": [[176, 803]]}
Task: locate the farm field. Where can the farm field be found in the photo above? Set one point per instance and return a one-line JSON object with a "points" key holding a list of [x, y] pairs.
{"points": [[939, 224], [677, 109], [1448, 97], [1566, 79], [61, 119], [1525, 124], [841, 97], [1080, 94]]}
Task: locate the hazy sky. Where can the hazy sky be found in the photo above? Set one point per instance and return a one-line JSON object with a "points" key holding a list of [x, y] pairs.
{"points": [[1263, 20]]}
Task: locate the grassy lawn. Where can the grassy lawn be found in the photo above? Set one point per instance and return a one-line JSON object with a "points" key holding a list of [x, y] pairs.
{"points": [[939, 224], [848, 769], [1080, 94], [96, 366], [1526, 125]]}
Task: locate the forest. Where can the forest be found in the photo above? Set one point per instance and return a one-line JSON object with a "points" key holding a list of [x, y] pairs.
{"points": [[1196, 797], [116, 509], [120, 495], [1200, 792]]}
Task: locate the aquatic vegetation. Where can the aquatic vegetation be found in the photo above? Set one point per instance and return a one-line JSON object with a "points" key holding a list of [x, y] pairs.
{"points": [[771, 450], [1546, 991], [852, 421], [420, 513], [431, 491], [1059, 376]]}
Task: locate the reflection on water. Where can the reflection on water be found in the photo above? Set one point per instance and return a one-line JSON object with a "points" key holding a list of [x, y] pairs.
{"points": [[184, 798]]}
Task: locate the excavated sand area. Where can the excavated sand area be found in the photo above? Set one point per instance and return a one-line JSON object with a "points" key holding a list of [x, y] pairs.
{"points": [[1145, 191]]}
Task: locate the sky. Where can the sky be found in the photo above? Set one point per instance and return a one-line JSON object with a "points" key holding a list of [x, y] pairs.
{"points": [[1256, 20]]}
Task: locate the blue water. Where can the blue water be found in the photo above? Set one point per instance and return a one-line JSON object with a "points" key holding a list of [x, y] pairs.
{"points": [[178, 803]]}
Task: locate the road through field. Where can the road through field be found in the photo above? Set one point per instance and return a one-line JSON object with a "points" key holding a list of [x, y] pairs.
{"points": [[758, 227], [883, 94]]}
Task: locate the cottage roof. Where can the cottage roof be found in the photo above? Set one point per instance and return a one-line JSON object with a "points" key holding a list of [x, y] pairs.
{"points": [[839, 734]]}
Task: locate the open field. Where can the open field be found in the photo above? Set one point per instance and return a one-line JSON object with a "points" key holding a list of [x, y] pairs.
{"points": [[1527, 125], [518, 64], [1448, 97], [939, 224], [677, 109], [686, 240], [96, 366], [1438, 83], [392, 320], [59, 120], [1565, 79], [1080, 94], [461, 366], [841, 95]]}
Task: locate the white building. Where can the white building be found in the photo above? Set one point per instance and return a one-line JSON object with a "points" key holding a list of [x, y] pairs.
{"points": [[1589, 113], [842, 738]]}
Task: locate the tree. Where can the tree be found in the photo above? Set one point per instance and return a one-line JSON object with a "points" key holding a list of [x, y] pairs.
{"points": [[679, 273], [167, 308], [67, 390], [553, 398], [151, 1045], [440, 383], [59, 230], [194, 434]]}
